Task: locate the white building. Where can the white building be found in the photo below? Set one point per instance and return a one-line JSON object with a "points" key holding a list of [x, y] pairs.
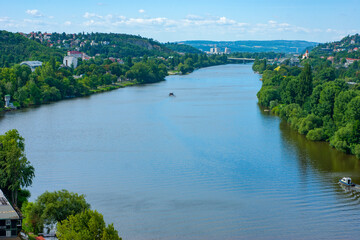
{"points": [[7, 101], [227, 50], [305, 55], [216, 50], [70, 61]]}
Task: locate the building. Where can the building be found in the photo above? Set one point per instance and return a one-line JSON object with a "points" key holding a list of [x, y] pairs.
{"points": [[350, 61], [75, 54], [7, 101], [216, 50], [32, 64], [305, 55], [10, 221], [70, 61], [331, 59], [227, 50]]}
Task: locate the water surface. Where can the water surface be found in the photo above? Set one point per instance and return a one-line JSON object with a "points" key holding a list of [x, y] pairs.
{"points": [[206, 164]]}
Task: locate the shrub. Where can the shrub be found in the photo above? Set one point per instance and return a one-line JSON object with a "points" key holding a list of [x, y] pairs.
{"points": [[316, 134]]}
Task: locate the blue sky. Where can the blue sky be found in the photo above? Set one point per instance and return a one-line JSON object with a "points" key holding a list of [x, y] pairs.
{"points": [[316, 20]]}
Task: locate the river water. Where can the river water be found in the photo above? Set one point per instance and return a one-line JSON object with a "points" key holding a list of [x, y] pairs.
{"points": [[205, 164]]}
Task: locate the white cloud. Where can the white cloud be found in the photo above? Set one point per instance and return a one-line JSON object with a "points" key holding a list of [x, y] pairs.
{"points": [[90, 15], [34, 13], [141, 11], [191, 23], [171, 29]]}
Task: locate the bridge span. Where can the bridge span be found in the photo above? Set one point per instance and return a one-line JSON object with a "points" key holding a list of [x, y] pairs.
{"points": [[243, 60]]}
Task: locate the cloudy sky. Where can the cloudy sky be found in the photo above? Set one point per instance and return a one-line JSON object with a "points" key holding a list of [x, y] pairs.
{"points": [[312, 20]]}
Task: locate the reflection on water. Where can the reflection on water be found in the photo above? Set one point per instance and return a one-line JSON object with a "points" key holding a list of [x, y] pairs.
{"points": [[320, 156], [206, 164]]}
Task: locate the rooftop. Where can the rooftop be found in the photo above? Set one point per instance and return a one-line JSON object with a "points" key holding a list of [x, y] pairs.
{"points": [[32, 63], [6, 210]]}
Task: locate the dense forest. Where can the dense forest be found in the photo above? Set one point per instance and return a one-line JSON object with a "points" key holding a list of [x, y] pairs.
{"points": [[320, 99]]}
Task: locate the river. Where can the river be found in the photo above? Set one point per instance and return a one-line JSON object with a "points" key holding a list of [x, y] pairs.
{"points": [[205, 164]]}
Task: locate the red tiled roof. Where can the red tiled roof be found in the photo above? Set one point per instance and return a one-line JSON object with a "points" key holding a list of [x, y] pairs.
{"points": [[74, 52], [40, 238]]}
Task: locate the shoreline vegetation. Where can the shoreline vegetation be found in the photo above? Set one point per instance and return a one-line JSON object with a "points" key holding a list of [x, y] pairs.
{"points": [[110, 61], [320, 98], [50, 82]]}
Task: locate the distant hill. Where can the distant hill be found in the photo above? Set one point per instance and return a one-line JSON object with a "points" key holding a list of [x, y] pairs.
{"points": [[15, 48], [109, 44], [182, 48], [348, 47], [284, 46]]}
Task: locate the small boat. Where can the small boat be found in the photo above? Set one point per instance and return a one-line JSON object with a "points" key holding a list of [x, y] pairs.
{"points": [[171, 94], [347, 182]]}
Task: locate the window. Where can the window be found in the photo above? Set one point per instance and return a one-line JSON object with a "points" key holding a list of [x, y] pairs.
{"points": [[19, 223], [8, 222], [8, 233]]}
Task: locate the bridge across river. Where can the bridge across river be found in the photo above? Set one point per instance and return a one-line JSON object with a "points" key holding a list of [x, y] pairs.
{"points": [[243, 60]]}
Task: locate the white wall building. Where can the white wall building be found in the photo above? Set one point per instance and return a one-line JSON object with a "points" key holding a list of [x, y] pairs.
{"points": [[70, 61], [7, 101]]}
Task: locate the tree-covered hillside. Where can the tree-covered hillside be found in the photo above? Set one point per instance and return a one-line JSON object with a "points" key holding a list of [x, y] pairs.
{"points": [[182, 48], [348, 47], [15, 48]]}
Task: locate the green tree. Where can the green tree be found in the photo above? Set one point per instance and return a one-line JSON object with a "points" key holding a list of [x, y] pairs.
{"points": [[305, 84], [15, 170], [51, 208], [35, 92], [88, 225]]}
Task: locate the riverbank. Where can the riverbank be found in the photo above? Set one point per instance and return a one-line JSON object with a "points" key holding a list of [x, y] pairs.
{"points": [[106, 88], [315, 101]]}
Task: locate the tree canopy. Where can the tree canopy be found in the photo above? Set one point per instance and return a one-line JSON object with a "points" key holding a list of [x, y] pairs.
{"points": [[16, 171], [51, 208], [87, 225]]}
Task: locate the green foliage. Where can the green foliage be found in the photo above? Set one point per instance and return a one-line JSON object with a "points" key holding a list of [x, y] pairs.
{"points": [[308, 123], [52, 207], [316, 134], [87, 225], [15, 170], [266, 95], [305, 85], [341, 105], [317, 102], [15, 48]]}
